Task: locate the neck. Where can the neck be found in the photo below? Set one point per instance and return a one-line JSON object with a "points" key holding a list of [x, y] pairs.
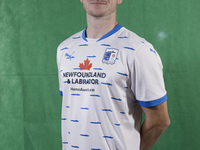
{"points": [[99, 26]]}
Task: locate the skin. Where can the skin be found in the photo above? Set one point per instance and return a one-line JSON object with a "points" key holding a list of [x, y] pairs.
{"points": [[155, 123], [101, 18]]}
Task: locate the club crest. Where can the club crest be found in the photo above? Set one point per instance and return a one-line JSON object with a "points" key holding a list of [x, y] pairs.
{"points": [[110, 56]]}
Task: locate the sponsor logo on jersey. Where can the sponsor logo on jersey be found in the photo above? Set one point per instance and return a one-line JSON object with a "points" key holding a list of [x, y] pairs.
{"points": [[83, 77], [86, 65], [110, 56], [68, 56]]}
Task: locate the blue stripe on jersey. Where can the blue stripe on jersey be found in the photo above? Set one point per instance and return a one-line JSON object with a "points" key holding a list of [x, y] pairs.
{"points": [[95, 149], [129, 48], [65, 142], [117, 124], [95, 95], [95, 122], [117, 99], [113, 31], [63, 49], [84, 108], [153, 51], [107, 110], [85, 135], [122, 37], [67, 106], [109, 137], [122, 113], [75, 94], [83, 45], [105, 45], [91, 56], [61, 93], [76, 37], [154, 102], [66, 82], [74, 121], [63, 119], [124, 74], [97, 69], [106, 83], [76, 68], [74, 146]]}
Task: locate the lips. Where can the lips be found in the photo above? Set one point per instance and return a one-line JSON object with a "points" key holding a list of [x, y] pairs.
{"points": [[98, 2]]}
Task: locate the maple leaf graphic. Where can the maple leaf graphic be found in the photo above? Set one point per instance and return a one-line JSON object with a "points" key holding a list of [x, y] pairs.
{"points": [[86, 66]]}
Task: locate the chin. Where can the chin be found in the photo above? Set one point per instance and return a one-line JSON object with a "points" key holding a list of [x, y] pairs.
{"points": [[96, 14]]}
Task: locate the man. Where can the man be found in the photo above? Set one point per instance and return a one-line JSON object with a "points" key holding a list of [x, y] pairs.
{"points": [[108, 75]]}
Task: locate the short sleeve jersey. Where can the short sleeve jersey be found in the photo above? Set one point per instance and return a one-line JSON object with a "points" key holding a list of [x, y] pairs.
{"points": [[103, 82]]}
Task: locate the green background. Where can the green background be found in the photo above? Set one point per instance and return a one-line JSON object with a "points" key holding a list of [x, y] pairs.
{"points": [[31, 30]]}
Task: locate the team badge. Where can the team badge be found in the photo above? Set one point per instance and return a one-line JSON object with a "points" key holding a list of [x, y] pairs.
{"points": [[110, 56]]}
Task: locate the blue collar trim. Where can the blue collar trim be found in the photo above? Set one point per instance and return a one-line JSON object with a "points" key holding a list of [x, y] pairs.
{"points": [[83, 35], [114, 30]]}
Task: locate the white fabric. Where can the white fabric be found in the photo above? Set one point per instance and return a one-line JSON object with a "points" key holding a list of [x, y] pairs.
{"points": [[101, 112]]}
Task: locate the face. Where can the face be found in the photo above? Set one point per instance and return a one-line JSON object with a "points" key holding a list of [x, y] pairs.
{"points": [[100, 8]]}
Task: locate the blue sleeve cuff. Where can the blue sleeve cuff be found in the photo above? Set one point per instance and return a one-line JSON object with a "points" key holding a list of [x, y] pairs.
{"points": [[61, 93], [153, 103]]}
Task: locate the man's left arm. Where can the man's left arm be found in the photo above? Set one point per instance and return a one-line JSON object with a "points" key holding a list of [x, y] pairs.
{"points": [[155, 123]]}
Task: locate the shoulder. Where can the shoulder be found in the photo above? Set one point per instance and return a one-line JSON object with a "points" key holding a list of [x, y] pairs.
{"points": [[140, 42], [139, 49], [131, 39], [70, 41], [67, 44]]}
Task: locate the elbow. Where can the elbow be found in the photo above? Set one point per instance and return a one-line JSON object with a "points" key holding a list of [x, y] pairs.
{"points": [[165, 123], [168, 123], [162, 126]]}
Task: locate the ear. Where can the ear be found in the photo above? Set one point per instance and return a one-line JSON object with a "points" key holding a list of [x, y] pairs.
{"points": [[119, 1]]}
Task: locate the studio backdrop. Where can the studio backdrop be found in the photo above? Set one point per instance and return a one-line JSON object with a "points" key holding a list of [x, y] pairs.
{"points": [[31, 30]]}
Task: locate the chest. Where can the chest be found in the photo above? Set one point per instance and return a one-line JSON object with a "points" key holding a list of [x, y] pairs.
{"points": [[102, 63]]}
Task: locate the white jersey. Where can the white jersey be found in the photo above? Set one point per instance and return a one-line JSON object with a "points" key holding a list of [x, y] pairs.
{"points": [[103, 83]]}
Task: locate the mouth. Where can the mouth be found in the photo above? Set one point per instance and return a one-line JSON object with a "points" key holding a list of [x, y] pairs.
{"points": [[98, 3]]}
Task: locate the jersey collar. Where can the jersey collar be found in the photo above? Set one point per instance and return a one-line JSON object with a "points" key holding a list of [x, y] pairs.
{"points": [[114, 30]]}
